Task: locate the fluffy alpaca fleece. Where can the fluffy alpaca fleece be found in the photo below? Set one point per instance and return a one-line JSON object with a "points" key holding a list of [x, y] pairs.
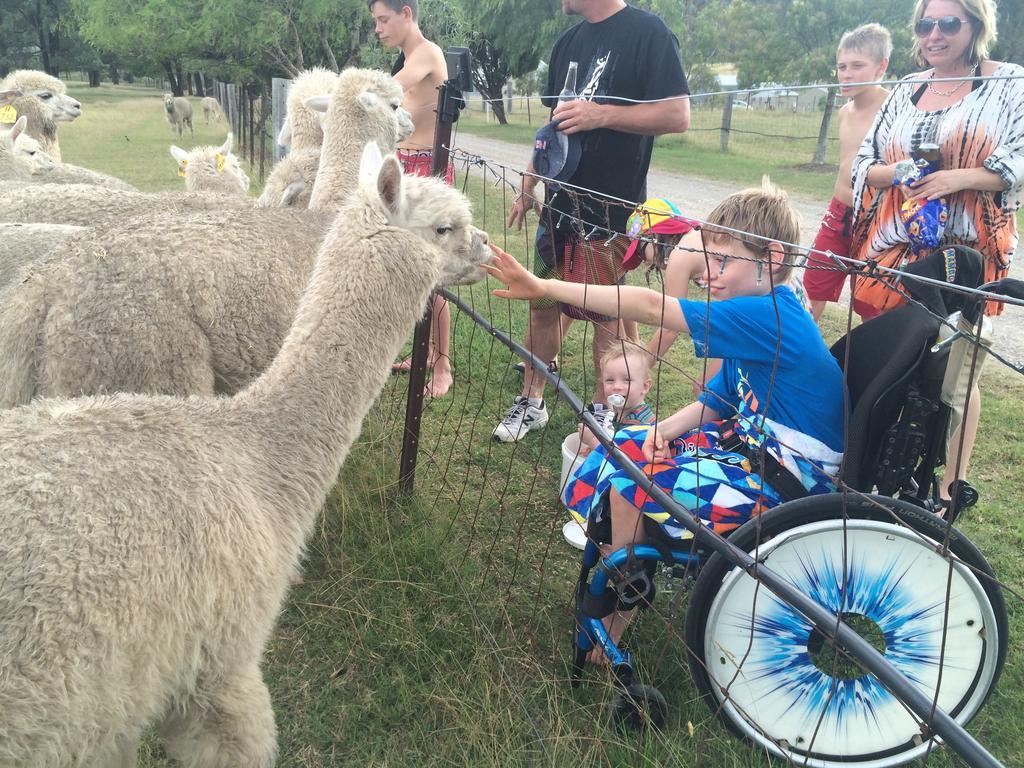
{"points": [[123, 310], [212, 169], [53, 105], [14, 164], [363, 108], [148, 540], [211, 110], [88, 205], [291, 181], [141, 308], [178, 111], [24, 244]]}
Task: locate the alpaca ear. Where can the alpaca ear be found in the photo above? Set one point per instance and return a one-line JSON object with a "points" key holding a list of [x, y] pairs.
{"points": [[291, 193], [284, 137], [6, 97], [225, 148], [389, 184], [370, 163], [368, 100], [318, 103], [179, 154], [16, 130]]}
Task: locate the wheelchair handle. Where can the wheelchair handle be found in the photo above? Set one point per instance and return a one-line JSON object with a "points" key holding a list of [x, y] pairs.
{"points": [[1008, 286]]}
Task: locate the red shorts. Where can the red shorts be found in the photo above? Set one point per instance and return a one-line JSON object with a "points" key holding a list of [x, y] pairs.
{"points": [[420, 162], [823, 277]]}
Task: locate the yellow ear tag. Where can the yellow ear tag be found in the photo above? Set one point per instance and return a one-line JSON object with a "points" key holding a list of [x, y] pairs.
{"points": [[221, 160], [181, 168], [8, 114]]}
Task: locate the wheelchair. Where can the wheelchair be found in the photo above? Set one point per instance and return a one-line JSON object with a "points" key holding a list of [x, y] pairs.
{"points": [[872, 555]]}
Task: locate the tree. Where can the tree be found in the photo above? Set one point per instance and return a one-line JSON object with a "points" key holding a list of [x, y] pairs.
{"points": [[509, 38]]}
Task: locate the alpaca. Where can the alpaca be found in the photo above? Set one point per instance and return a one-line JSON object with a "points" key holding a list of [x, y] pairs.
{"points": [[211, 110], [132, 307], [14, 164], [24, 244], [141, 307], [51, 105], [363, 107], [45, 169], [89, 205], [178, 111], [291, 181], [148, 541], [212, 169]]}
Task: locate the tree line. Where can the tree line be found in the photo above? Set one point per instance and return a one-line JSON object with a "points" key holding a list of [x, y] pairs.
{"points": [[189, 42]]}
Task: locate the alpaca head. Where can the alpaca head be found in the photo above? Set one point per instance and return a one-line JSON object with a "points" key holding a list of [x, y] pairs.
{"points": [[368, 101], [169, 103], [50, 91], [12, 164], [439, 215], [211, 169], [303, 127], [31, 150]]}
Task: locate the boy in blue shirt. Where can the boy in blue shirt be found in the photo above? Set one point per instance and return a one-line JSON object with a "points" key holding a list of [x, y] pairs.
{"points": [[779, 386]]}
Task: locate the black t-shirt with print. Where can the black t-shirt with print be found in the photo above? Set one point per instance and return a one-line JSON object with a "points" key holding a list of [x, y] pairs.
{"points": [[631, 54]]}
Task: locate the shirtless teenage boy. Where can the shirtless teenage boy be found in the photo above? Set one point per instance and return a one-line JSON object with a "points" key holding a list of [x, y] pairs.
{"points": [[863, 56], [420, 70]]}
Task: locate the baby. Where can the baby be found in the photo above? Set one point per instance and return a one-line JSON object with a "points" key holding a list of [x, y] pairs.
{"points": [[627, 375]]}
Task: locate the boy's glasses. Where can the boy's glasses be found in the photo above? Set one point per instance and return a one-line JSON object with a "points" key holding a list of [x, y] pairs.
{"points": [[948, 25]]}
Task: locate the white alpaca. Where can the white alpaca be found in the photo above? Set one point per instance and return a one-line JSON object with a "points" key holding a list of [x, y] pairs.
{"points": [[15, 165], [291, 181], [44, 169], [24, 244], [167, 317], [148, 541], [212, 169], [178, 111], [52, 105], [211, 110], [363, 108]]}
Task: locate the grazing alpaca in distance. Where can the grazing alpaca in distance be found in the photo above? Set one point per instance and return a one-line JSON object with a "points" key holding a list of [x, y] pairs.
{"points": [[148, 541]]}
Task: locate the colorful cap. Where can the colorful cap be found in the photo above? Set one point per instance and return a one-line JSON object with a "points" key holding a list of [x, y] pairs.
{"points": [[655, 216]]}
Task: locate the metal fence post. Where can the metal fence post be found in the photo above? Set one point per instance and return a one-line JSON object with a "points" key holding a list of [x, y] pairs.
{"points": [[447, 109]]}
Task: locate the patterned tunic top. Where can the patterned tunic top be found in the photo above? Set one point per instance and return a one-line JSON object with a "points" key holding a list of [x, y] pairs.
{"points": [[984, 129]]}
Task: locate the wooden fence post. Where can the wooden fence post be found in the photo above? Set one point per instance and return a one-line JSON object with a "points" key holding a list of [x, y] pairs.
{"points": [[279, 93], [723, 138]]}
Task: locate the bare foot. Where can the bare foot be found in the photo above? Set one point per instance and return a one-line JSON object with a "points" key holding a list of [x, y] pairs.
{"points": [[440, 382], [403, 367]]}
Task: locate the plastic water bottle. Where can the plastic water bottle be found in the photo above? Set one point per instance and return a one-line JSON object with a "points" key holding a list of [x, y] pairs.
{"points": [[569, 89]]}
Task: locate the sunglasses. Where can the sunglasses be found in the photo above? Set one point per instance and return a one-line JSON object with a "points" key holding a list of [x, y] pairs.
{"points": [[948, 25]]}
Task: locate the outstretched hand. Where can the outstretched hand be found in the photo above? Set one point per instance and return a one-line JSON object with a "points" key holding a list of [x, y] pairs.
{"points": [[522, 284]]}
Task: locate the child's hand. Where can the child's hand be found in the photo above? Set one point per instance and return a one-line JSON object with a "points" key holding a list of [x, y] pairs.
{"points": [[521, 283], [655, 446], [587, 440]]}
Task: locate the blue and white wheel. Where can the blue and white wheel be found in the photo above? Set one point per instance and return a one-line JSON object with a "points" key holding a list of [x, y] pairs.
{"points": [[777, 681]]}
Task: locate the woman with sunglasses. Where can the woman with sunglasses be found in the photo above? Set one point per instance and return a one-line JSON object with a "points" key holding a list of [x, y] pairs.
{"points": [[978, 126]]}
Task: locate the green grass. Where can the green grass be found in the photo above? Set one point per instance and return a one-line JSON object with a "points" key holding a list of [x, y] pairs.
{"points": [[434, 630]]}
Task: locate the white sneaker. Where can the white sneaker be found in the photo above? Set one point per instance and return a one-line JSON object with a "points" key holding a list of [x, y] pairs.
{"points": [[520, 419]]}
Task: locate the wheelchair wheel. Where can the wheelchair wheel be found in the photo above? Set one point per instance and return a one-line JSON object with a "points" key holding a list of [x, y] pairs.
{"points": [[788, 690]]}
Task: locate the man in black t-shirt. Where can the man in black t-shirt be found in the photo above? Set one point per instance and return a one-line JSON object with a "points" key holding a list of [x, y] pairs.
{"points": [[624, 55]]}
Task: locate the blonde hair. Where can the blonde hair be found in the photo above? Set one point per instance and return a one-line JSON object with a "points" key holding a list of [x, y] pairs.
{"points": [[759, 215], [872, 39], [628, 350], [982, 17]]}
